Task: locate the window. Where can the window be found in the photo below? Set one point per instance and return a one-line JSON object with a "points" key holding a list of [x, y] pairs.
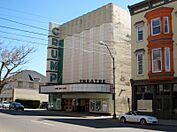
{"points": [[156, 60], [20, 84], [140, 63], [140, 33], [155, 24], [166, 24], [31, 85], [167, 59]]}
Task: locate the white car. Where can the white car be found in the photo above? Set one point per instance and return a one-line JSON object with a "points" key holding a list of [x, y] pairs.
{"points": [[132, 116], [5, 104]]}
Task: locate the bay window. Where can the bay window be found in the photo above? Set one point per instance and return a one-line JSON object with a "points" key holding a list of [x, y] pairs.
{"points": [[156, 60], [165, 24], [155, 24], [167, 59]]}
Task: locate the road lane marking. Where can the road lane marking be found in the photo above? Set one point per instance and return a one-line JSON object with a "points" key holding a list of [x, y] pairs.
{"points": [[45, 123]]}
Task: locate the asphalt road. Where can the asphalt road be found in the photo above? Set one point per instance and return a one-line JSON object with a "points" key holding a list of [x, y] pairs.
{"points": [[44, 121]]}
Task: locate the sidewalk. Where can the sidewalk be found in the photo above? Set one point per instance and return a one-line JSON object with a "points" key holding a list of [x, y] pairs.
{"points": [[89, 115], [168, 122]]}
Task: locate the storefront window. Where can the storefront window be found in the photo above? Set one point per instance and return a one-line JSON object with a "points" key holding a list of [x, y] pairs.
{"points": [[175, 100], [95, 105], [163, 97]]}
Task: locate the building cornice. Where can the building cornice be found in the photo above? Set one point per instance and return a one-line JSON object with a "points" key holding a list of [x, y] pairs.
{"points": [[147, 5]]}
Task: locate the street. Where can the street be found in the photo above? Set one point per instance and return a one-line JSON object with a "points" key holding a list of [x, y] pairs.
{"points": [[44, 121]]}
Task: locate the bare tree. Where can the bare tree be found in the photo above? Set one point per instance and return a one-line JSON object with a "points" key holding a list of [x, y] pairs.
{"points": [[10, 62]]}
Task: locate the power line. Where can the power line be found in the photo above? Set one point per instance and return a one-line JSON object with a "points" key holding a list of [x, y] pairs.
{"points": [[37, 15], [23, 40], [23, 30], [23, 18], [23, 24], [23, 35], [37, 27]]}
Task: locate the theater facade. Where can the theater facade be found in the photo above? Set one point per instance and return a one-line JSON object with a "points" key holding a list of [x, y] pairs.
{"points": [[79, 69]]}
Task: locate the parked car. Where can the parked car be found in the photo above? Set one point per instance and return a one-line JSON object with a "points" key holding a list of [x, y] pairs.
{"points": [[0, 104], [5, 104], [132, 116], [16, 106], [44, 105]]}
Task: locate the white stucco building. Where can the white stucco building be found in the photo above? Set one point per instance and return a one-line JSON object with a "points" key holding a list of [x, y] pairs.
{"points": [[79, 69]]}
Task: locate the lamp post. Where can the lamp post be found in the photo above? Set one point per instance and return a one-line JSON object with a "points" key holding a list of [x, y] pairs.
{"points": [[113, 64]]}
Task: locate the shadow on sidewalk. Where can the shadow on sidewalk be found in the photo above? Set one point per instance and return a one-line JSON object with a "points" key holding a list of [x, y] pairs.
{"points": [[108, 123], [84, 119], [42, 112]]}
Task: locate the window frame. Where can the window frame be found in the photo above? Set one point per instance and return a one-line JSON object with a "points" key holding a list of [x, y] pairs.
{"points": [[158, 18], [137, 63], [153, 71], [167, 70], [140, 26], [165, 24]]}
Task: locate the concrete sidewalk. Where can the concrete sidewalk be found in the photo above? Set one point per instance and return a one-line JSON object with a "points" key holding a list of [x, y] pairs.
{"points": [[168, 122], [88, 115]]}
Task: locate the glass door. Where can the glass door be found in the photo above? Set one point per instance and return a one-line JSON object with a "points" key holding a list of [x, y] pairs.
{"points": [[175, 101], [163, 99]]}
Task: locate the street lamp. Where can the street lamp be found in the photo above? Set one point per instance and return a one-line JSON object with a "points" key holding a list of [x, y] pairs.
{"points": [[113, 94]]}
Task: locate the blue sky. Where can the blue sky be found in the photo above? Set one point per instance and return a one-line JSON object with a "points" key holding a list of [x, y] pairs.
{"points": [[39, 13]]}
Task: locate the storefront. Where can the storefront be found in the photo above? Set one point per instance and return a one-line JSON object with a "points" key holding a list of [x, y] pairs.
{"points": [[71, 98], [159, 98]]}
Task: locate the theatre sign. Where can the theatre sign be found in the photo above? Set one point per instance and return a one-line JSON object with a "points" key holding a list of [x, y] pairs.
{"points": [[55, 55]]}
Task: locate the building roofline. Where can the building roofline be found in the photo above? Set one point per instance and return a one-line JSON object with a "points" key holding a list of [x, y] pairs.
{"points": [[146, 5]]}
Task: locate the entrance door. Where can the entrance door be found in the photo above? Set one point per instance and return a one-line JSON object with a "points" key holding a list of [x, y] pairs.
{"points": [[163, 100], [175, 101], [83, 105], [67, 104]]}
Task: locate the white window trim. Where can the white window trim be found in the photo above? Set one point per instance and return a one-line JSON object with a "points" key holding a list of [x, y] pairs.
{"points": [[139, 26], [137, 63], [152, 28], [167, 24], [169, 60], [153, 61]]}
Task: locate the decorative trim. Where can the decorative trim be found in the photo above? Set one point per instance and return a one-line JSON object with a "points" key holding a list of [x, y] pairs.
{"points": [[139, 50], [147, 5], [139, 23]]}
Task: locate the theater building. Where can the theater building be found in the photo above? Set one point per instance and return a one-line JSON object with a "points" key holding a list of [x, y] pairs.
{"points": [[79, 69], [154, 62]]}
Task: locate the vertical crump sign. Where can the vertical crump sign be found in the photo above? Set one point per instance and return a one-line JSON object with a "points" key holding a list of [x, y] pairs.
{"points": [[55, 55]]}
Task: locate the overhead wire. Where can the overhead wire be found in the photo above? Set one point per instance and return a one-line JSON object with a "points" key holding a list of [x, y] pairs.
{"points": [[23, 24], [23, 18], [27, 13], [37, 33], [23, 35]]}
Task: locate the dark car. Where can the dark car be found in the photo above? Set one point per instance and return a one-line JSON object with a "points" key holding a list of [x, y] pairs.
{"points": [[44, 105], [16, 106]]}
